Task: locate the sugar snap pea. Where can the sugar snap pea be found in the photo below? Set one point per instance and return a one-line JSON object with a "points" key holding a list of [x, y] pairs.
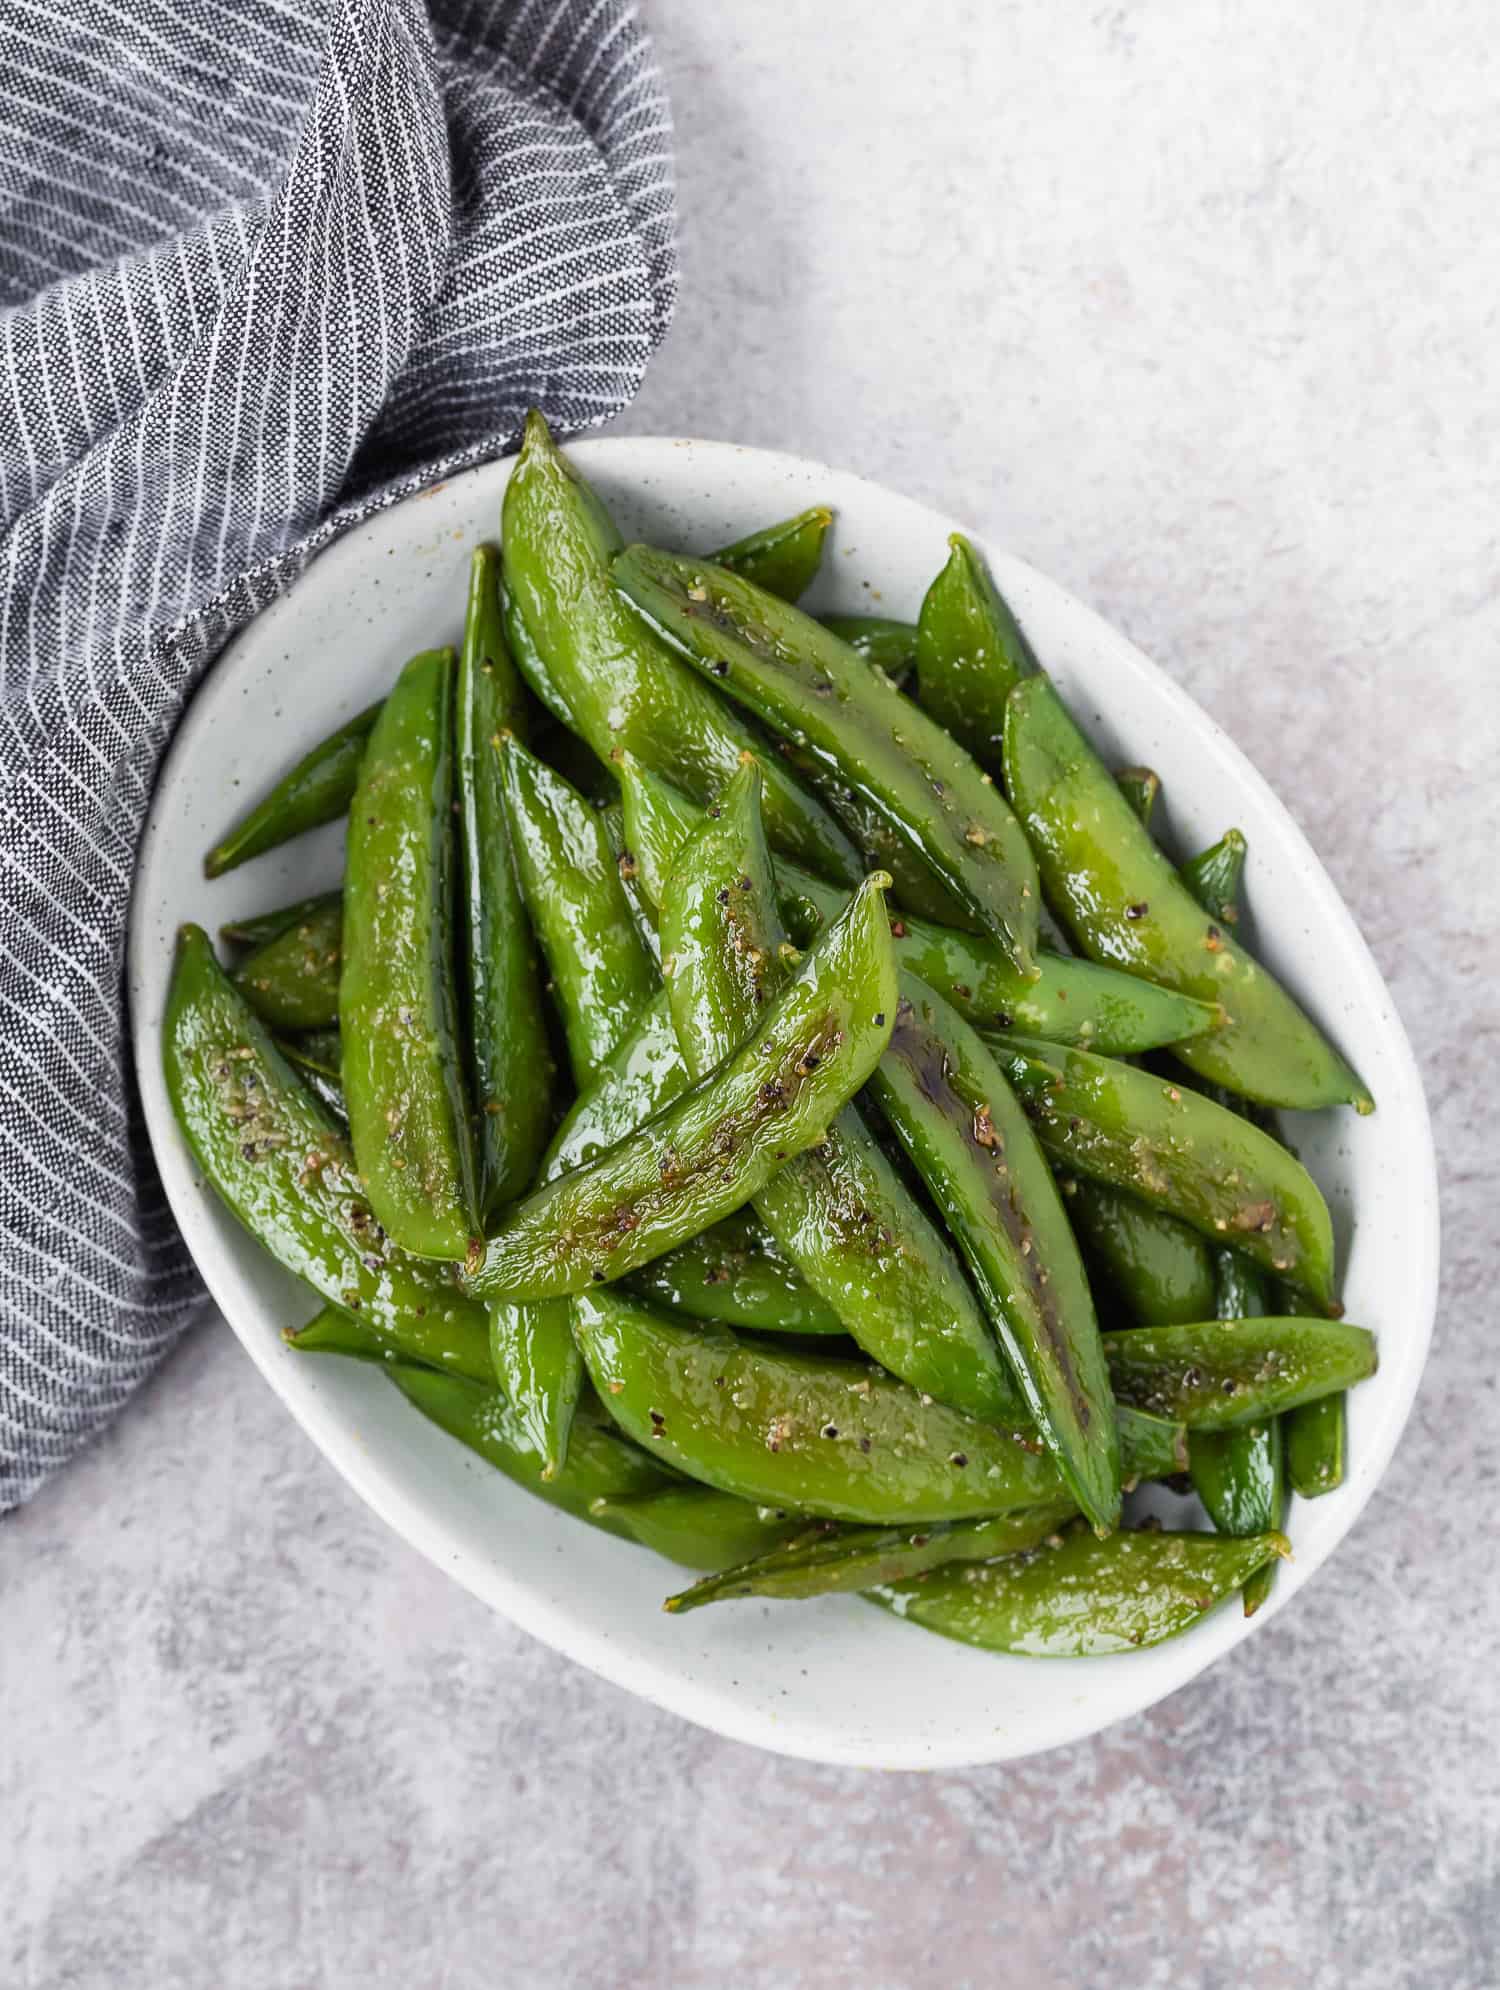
{"points": [[806, 685], [256, 928], [409, 1117], [839, 1211], [699, 1527], [540, 1372], [713, 1147], [1084, 1598], [453, 1341], [1158, 1268], [1123, 904], [841, 1561], [600, 971], [616, 684], [510, 1054], [1141, 787], [316, 1058], [837, 1438], [890, 645], [970, 651], [735, 1273], [1213, 876], [1177, 1151], [292, 979], [1314, 1434], [317, 790], [782, 558], [276, 1159], [1213, 1374], [971, 1143]]}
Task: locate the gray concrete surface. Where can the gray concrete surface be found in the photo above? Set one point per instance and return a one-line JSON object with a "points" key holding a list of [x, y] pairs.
{"points": [[1195, 304]]}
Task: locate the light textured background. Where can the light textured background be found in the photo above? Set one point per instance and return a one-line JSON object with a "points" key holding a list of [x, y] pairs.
{"points": [[1195, 305]]}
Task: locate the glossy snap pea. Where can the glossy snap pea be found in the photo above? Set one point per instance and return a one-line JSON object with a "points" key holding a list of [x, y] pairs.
{"points": [[615, 684], [319, 1069], [404, 1088], [970, 651], [1177, 1151], [540, 1372], [455, 1343], [698, 1527], [1159, 1269], [969, 1139], [600, 971], [317, 790], [509, 1051], [736, 1274], [257, 927], [837, 1438], [276, 1159], [1314, 1435], [783, 558], [842, 1561], [806, 685], [1141, 787], [890, 645], [1123, 904], [641, 910], [1084, 1598], [292, 980], [713, 1147], [1213, 876], [1213, 1374], [1071, 1001], [839, 1211]]}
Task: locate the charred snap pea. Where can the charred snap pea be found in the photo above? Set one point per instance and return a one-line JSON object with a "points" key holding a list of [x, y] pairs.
{"points": [[718, 1143], [972, 1145], [509, 1052], [970, 651], [540, 1372], [1084, 1598], [1070, 1001], [614, 683], [807, 686], [292, 979], [890, 645], [736, 1274], [1179, 1152], [1123, 904], [317, 790], [453, 1344], [698, 1527], [404, 1087], [601, 974], [1217, 1373], [784, 559], [1157, 1269], [837, 1438], [276, 1159], [255, 929], [839, 1211]]}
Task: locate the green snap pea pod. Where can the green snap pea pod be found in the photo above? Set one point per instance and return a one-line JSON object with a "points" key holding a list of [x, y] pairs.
{"points": [[258, 927], [1177, 1151], [807, 686], [883, 848], [719, 1142], [540, 1372], [600, 972], [1213, 876], [830, 1436], [890, 645], [971, 1143], [455, 1343], [840, 1211], [539, 678], [409, 1117], [1072, 1001], [602, 1467], [1213, 1374], [641, 910], [321, 1051], [1084, 1598], [317, 790], [1123, 904], [293, 980], [276, 1159], [1159, 1268], [615, 683], [842, 1561], [1314, 1434], [1141, 787], [782, 558], [698, 1527], [643, 1073], [507, 1026], [736, 1274], [970, 651]]}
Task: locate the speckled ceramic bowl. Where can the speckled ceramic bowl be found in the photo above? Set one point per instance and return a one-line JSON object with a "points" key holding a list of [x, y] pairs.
{"points": [[835, 1681]]}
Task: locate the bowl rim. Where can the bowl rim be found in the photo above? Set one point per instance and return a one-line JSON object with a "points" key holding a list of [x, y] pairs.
{"points": [[553, 1622]]}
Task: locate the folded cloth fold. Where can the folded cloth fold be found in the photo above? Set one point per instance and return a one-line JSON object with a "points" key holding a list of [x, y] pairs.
{"points": [[264, 268]]}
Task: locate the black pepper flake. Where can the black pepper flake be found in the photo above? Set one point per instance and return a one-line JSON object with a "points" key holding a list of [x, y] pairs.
{"points": [[959, 1458], [880, 1018], [722, 894], [864, 1444], [898, 929], [1138, 910], [829, 1430], [721, 670]]}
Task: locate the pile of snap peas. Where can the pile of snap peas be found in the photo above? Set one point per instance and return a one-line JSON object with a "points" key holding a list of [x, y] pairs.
{"points": [[687, 1104]]}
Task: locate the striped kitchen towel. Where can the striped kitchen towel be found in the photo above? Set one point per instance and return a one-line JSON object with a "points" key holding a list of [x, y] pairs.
{"points": [[265, 266]]}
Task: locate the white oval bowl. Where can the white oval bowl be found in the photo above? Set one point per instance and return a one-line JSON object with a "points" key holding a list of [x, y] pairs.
{"points": [[833, 1681]]}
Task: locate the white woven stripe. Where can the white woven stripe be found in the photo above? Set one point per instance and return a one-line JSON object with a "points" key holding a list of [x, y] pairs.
{"points": [[268, 267]]}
